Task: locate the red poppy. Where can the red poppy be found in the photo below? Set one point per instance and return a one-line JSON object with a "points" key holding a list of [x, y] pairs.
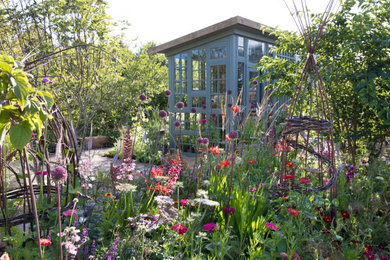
{"points": [[227, 138], [289, 177], [327, 219], [345, 214]]}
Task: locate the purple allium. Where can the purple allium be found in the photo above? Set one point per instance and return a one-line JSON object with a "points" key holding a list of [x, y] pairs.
{"points": [[233, 135], [229, 105], [213, 115], [203, 102], [45, 80], [199, 140], [180, 105], [205, 141], [204, 107], [203, 121], [255, 82], [59, 174], [177, 124], [212, 100], [193, 110], [162, 114], [229, 91], [142, 97], [167, 93]]}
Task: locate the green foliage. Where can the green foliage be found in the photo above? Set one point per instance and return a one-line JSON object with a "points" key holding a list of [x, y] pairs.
{"points": [[24, 108], [354, 60]]}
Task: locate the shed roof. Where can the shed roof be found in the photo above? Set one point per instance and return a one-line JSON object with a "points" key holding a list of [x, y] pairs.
{"points": [[236, 22]]}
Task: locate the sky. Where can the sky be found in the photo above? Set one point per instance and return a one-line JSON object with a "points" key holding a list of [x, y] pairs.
{"points": [[160, 21]]}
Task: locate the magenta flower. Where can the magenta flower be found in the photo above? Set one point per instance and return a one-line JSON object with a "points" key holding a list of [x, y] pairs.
{"points": [[229, 210], [271, 226], [252, 189], [210, 227], [179, 228], [59, 174], [39, 173], [69, 212], [184, 202]]}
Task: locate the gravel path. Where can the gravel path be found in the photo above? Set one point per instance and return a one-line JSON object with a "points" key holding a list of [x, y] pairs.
{"points": [[102, 163]]}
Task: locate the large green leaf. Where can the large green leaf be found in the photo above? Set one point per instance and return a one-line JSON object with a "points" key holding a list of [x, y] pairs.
{"points": [[5, 67], [20, 85], [20, 134]]}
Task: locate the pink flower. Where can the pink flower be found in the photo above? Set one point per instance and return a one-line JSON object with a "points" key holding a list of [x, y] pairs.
{"points": [[284, 255], [39, 173], [293, 212], [261, 184], [183, 202], [210, 227], [69, 212], [252, 189], [271, 226], [180, 229]]}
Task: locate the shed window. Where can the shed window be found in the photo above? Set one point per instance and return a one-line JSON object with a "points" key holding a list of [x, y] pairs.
{"points": [[218, 85], [181, 77], [218, 53], [199, 69], [255, 50]]}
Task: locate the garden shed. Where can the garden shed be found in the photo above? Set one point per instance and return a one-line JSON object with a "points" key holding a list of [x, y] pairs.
{"points": [[209, 70]]}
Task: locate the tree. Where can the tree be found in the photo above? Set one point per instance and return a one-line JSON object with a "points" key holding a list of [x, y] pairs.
{"points": [[70, 42], [354, 62]]}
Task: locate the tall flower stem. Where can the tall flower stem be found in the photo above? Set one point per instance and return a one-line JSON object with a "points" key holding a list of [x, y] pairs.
{"points": [[155, 152], [231, 173], [33, 202], [59, 218]]}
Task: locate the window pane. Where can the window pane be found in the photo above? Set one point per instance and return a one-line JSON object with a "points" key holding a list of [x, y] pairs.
{"points": [[255, 50], [240, 77], [222, 71], [218, 53], [222, 86]]}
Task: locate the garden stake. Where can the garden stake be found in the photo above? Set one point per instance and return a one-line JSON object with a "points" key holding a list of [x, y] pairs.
{"points": [[34, 205]]}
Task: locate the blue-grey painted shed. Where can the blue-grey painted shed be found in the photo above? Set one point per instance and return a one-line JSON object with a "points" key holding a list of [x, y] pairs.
{"points": [[203, 66]]}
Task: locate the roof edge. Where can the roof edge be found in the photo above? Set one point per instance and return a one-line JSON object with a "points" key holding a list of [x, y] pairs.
{"points": [[221, 26]]}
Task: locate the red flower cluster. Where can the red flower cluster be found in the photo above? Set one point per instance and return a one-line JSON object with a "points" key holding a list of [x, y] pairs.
{"points": [[235, 109], [345, 214], [214, 150], [250, 161], [327, 219], [173, 174], [180, 229], [304, 180], [157, 172], [224, 164], [289, 164], [293, 212], [210, 226], [289, 177], [44, 242]]}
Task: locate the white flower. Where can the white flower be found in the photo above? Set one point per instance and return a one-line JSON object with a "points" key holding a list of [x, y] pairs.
{"points": [[126, 187], [207, 202]]}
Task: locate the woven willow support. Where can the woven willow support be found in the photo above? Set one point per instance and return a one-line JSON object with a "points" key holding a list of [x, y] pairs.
{"points": [[307, 138]]}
